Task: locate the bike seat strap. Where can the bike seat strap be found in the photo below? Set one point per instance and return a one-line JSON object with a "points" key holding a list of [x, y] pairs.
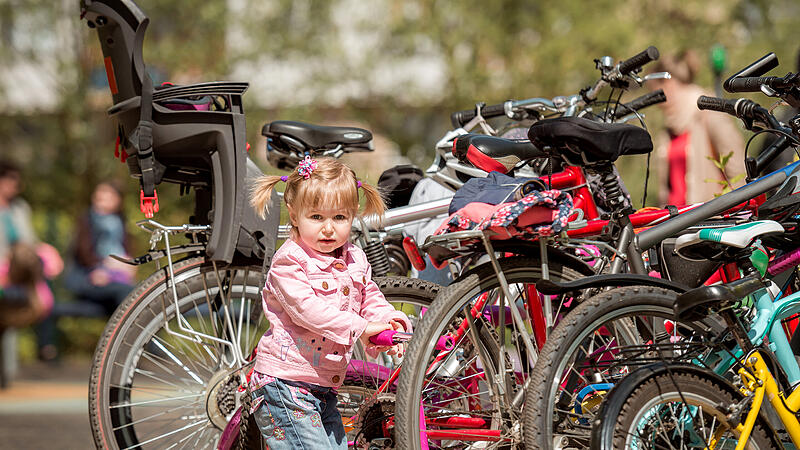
{"points": [[317, 136], [699, 245], [585, 142], [491, 153]]}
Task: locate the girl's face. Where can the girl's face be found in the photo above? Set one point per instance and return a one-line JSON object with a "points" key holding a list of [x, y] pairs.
{"points": [[324, 230]]}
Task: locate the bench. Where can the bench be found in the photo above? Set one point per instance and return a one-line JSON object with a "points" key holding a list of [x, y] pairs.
{"points": [[72, 308]]}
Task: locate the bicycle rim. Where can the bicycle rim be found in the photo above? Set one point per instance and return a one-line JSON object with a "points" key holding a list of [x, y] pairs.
{"points": [[469, 396]]}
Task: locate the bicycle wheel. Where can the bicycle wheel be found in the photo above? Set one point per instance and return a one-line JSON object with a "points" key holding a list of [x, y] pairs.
{"points": [[154, 385], [456, 391], [364, 410], [592, 348], [678, 409], [152, 389]]}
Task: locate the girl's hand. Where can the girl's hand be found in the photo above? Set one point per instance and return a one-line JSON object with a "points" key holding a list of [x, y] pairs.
{"points": [[400, 348], [372, 329]]}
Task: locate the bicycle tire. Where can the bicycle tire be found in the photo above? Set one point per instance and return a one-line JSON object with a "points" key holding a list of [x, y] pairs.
{"points": [[628, 407], [135, 327], [546, 412], [519, 271], [131, 341]]}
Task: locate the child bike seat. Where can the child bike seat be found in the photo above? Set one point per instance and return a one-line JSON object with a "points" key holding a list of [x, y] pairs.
{"points": [[317, 136], [490, 153], [584, 142], [703, 244]]}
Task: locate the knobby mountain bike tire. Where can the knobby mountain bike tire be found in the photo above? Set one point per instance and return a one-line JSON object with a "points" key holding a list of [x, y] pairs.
{"points": [[150, 389], [455, 391], [592, 348], [677, 410]]}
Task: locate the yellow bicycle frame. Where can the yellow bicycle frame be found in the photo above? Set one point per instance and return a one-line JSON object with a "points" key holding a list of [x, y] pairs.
{"points": [[761, 382]]}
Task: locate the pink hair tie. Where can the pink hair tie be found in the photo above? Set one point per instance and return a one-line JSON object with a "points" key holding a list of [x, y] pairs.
{"points": [[358, 184], [284, 178], [306, 167]]}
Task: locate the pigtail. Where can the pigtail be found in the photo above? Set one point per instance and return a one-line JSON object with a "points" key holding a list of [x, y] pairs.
{"points": [[261, 193], [374, 204]]}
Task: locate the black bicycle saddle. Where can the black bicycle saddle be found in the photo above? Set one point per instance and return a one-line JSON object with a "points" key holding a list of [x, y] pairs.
{"points": [[317, 136], [584, 142]]}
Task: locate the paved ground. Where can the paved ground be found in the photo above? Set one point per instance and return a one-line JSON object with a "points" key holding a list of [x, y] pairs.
{"points": [[45, 407]]}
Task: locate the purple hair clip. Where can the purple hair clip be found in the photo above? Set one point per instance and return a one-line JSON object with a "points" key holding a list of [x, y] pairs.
{"points": [[358, 184], [306, 166], [284, 178]]}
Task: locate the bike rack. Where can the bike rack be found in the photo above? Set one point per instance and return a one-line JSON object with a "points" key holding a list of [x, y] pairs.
{"points": [[185, 331]]}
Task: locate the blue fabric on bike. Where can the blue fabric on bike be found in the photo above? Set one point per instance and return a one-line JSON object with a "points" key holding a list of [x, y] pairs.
{"points": [[496, 188]]}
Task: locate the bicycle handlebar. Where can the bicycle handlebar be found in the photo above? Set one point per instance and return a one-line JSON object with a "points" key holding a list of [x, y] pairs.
{"points": [[718, 104], [636, 104], [748, 111], [756, 69], [635, 62], [753, 84], [388, 338], [460, 118]]}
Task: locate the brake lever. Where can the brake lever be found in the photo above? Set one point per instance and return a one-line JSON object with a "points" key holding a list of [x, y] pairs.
{"points": [[657, 76]]}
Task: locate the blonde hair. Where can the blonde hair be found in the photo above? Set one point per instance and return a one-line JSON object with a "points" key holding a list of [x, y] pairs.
{"points": [[331, 183]]}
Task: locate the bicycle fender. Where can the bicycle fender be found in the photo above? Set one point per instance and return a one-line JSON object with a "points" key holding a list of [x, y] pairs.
{"points": [[549, 287]]}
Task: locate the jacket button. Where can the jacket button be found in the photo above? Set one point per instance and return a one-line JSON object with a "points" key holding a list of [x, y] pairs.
{"points": [[339, 266], [346, 290], [335, 378], [324, 285]]}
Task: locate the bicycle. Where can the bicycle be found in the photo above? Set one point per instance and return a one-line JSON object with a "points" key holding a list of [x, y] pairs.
{"points": [[170, 359], [628, 247], [551, 406], [688, 404], [195, 317]]}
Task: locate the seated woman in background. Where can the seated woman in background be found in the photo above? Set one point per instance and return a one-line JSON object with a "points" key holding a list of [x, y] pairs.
{"points": [[94, 276]]}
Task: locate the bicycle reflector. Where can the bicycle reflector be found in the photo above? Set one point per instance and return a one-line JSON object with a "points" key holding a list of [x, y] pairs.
{"points": [[413, 253]]}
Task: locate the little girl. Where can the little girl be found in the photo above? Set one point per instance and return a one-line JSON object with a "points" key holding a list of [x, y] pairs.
{"points": [[319, 298]]}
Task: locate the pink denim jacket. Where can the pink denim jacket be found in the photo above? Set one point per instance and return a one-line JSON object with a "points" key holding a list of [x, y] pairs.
{"points": [[318, 306]]}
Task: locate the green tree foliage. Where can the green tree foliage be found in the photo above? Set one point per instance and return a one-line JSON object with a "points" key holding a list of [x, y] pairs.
{"points": [[486, 51]]}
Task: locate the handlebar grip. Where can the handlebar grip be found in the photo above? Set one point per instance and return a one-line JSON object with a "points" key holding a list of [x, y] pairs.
{"points": [[640, 102], [768, 154], [460, 118], [756, 69], [445, 343], [748, 84], [637, 61], [717, 104], [384, 338]]}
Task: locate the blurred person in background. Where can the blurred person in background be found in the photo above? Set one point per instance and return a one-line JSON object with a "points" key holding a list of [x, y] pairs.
{"points": [[97, 282], [23, 262], [99, 233], [693, 139]]}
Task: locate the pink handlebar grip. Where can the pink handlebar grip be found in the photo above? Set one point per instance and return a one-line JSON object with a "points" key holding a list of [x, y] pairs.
{"points": [[445, 343], [388, 338], [384, 338]]}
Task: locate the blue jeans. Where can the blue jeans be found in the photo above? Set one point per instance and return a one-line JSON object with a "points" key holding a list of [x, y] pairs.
{"points": [[297, 415]]}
